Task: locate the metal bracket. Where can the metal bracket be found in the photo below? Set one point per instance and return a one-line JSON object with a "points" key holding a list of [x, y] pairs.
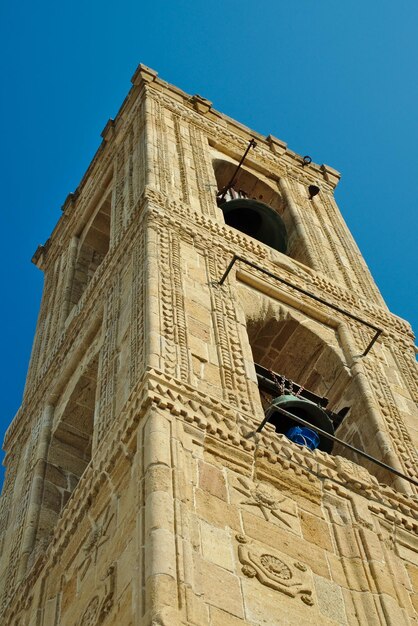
{"points": [[221, 195], [378, 331]]}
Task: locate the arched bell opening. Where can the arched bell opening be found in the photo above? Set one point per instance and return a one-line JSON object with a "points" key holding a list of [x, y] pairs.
{"points": [[70, 446], [301, 359], [300, 372], [256, 219], [256, 207], [93, 245]]}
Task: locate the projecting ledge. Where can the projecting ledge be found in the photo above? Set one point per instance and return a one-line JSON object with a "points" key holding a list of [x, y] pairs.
{"points": [[143, 74], [331, 175]]}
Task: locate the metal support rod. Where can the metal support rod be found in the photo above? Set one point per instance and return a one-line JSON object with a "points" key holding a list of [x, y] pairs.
{"points": [[333, 438], [236, 257], [252, 144]]}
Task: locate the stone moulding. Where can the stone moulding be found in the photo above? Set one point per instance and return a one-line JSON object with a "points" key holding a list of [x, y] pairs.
{"points": [[235, 137], [394, 326], [226, 426]]}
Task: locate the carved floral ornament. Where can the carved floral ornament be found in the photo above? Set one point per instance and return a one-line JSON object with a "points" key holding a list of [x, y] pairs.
{"points": [[277, 572]]}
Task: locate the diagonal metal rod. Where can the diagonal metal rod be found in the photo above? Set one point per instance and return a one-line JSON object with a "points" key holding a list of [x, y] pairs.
{"points": [[222, 195], [333, 438], [378, 331]]}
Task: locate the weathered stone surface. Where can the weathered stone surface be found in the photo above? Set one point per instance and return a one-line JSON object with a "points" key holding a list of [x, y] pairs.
{"points": [[316, 531], [137, 491], [219, 587]]}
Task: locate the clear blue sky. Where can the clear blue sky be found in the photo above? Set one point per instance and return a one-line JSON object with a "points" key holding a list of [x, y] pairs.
{"points": [[335, 80]]}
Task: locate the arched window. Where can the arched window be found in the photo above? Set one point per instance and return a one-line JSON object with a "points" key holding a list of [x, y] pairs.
{"points": [[70, 447], [255, 206], [93, 245], [302, 356]]}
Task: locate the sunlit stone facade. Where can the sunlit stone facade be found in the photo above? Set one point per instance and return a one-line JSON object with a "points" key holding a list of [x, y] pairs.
{"points": [[136, 491]]}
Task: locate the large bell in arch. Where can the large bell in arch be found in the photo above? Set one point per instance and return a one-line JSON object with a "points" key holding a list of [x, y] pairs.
{"points": [[258, 220], [306, 410]]}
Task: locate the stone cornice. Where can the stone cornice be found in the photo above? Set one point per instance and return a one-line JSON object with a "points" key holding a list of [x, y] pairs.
{"points": [[270, 150], [236, 136]]}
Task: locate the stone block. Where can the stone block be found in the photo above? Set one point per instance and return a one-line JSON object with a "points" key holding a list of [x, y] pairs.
{"points": [[158, 478], [216, 511], [157, 451], [330, 600], [269, 607], [393, 614], [52, 497], [198, 347], [355, 573], [216, 545], [160, 591], [413, 575], [128, 565], [197, 610], [198, 329], [382, 578], [55, 475], [159, 511], [316, 531], [361, 608], [160, 554], [211, 375], [211, 479], [337, 569], [346, 541], [222, 618], [218, 587]]}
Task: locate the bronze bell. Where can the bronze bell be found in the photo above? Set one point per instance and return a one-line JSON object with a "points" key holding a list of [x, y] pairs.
{"points": [[258, 220], [313, 191], [306, 410]]}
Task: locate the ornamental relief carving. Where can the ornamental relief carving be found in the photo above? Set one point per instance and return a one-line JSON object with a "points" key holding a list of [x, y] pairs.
{"points": [[273, 506], [336, 293], [275, 570], [101, 604], [100, 534]]}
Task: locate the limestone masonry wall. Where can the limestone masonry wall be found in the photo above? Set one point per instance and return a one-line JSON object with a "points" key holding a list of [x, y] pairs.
{"points": [[137, 491]]}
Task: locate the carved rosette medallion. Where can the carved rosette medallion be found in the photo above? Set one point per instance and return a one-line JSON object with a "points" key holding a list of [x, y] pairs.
{"points": [[276, 571]]}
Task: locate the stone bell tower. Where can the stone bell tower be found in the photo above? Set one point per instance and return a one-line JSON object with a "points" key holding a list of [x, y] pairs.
{"points": [[219, 420]]}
